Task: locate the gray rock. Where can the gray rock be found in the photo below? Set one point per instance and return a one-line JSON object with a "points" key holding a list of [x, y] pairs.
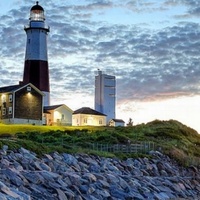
{"points": [[2, 196], [5, 162], [12, 176], [84, 177], [90, 177], [112, 178], [69, 159], [103, 193], [70, 194], [33, 177], [27, 154], [4, 150], [118, 193], [94, 168], [104, 184], [74, 178], [49, 176], [10, 193], [61, 195], [17, 166], [22, 195]]}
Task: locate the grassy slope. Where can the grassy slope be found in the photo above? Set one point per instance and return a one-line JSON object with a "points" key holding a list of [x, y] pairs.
{"points": [[174, 138], [12, 129]]}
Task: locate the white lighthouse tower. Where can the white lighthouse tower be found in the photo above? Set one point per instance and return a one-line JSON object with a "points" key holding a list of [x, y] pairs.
{"points": [[36, 70]]}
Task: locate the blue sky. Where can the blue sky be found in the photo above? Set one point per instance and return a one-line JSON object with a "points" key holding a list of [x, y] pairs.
{"points": [[152, 47]]}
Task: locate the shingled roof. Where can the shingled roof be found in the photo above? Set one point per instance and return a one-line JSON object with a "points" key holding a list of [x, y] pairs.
{"points": [[87, 110], [118, 120], [10, 88], [14, 88], [52, 107]]}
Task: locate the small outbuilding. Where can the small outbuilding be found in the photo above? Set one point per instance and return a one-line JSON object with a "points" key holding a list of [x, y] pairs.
{"points": [[116, 122], [60, 115], [86, 116], [21, 104]]}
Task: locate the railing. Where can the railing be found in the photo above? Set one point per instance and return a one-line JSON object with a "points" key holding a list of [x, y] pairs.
{"points": [[140, 147]]}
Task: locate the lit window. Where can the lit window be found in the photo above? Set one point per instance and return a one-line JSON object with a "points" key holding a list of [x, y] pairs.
{"points": [[3, 98], [10, 110], [29, 89], [100, 121], [10, 98]]}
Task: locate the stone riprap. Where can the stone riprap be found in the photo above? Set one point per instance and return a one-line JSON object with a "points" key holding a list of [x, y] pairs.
{"points": [[25, 176]]}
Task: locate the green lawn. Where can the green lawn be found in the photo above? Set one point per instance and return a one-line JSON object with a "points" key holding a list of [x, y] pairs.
{"points": [[12, 129]]}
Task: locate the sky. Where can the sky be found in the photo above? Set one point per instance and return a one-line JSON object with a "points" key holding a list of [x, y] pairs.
{"points": [[151, 46]]}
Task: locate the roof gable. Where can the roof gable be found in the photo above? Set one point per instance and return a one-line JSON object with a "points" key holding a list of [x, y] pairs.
{"points": [[54, 107], [118, 120], [87, 110], [30, 84], [15, 88]]}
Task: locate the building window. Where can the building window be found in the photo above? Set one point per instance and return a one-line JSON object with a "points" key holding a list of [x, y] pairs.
{"points": [[3, 111], [29, 89], [85, 120], [3, 98], [10, 110], [63, 117], [10, 98], [100, 121]]}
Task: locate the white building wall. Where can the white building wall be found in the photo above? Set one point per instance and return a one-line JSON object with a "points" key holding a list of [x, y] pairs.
{"points": [[88, 120], [62, 116]]}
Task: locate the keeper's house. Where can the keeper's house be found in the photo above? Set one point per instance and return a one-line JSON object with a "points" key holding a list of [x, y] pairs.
{"points": [[60, 115], [21, 104], [116, 122], [86, 116]]}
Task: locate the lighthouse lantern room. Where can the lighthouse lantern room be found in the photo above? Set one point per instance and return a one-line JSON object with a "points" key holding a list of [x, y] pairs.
{"points": [[37, 13]]}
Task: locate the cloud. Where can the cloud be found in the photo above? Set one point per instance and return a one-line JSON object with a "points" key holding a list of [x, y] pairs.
{"points": [[149, 64]]}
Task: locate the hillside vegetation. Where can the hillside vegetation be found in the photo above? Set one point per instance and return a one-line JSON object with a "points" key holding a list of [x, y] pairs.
{"points": [[171, 137]]}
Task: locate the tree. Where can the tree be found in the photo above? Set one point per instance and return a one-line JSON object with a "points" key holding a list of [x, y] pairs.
{"points": [[130, 122]]}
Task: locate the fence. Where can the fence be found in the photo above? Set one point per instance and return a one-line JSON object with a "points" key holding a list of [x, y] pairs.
{"points": [[140, 147]]}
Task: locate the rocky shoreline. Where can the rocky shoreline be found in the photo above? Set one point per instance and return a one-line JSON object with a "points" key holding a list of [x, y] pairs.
{"points": [[24, 176]]}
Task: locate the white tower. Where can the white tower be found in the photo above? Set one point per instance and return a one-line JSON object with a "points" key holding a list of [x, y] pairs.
{"points": [[105, 94], [36, 70]]}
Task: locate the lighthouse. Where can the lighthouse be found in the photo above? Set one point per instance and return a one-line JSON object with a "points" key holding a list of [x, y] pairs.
{"points": [[36, 70]]}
